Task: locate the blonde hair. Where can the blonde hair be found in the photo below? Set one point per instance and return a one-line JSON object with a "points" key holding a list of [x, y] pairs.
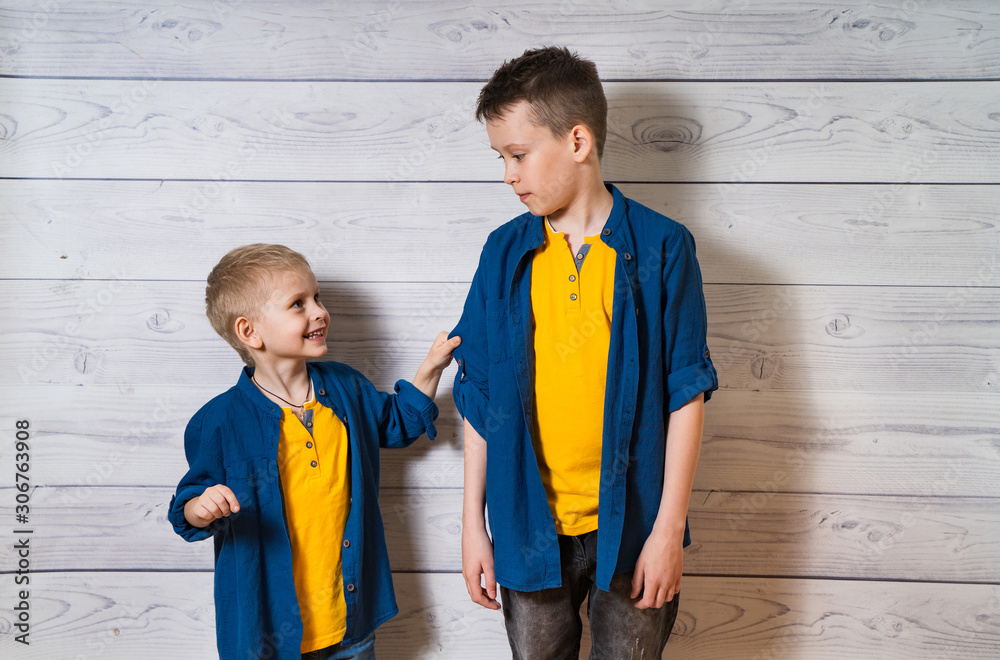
{"points": [[239, 285]]}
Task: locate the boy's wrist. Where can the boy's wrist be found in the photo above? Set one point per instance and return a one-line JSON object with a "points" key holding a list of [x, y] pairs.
{"points": [[669, 526], [474, 514], [429, 370], [427, 376]]}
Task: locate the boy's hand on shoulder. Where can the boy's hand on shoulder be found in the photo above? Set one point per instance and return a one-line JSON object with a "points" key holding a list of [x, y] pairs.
{"points": [[439, 357], [657, 575], [215, 502]]}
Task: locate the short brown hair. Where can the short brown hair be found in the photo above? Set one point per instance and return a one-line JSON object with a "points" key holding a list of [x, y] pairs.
{"points": [[561, 88], [239, 286]]}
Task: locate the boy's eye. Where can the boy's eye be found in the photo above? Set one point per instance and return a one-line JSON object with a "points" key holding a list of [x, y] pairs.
{"points": [[297, 303], [518, 156]]}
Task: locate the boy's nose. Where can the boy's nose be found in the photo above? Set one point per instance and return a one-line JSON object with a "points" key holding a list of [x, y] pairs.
{"points": [[509, 176]]}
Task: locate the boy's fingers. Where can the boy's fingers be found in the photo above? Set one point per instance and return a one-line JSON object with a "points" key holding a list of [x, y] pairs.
{"points": [[653, 595], [491, 583], [220, 500], [469, 586], [648, 595], [234, 504], [636, 582], [480, 596], [456, 340]]}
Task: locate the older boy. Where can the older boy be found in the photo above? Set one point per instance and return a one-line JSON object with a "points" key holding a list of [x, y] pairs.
{"points": [[284, 469], [582, 379]]}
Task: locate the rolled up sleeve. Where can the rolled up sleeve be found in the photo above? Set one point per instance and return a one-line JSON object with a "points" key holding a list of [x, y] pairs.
{"points": [[205, 469], [688, 365], [403, 416], [472, 355]]}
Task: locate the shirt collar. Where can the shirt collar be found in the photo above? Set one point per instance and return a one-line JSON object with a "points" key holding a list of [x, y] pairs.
{"points": [[617, 216]]}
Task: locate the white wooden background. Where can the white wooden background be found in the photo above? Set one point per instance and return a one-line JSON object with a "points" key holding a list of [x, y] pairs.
{"points": [[837, 164]]}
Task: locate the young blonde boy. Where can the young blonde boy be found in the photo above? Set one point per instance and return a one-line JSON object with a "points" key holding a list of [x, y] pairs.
{"points": [[284, 469], [582, 378]]}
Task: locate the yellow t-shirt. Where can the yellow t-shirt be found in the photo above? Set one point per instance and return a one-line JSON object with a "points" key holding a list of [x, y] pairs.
{"points": [[316, 482], [572, 314]]}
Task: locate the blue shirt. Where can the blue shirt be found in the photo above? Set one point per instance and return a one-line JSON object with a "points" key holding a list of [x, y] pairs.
{"points": [[233, 440], [657, 362]]}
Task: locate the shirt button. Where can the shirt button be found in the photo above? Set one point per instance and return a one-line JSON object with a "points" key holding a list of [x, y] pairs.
{"points": [[637, 311], [309, 445], [321, 392], [347, 543], [350, 587], [606, 232], [312, 463], [572, 296], [579, 257], [628, 257], [572, 278]]}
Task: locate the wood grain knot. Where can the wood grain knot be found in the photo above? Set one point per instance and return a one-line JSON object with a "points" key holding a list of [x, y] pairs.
{"points": [[8, 126], [86, 362], [895, 127], [764, 366], [160, 321], [667, 134], [455, 31], [840, 326], [885, 626], [881, 30]]}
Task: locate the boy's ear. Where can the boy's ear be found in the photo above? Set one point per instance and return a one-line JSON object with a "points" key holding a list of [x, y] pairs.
{"points": [[246, 334], [583, 142]]}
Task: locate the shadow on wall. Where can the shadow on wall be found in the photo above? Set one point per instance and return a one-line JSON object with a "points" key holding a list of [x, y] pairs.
{"points": [[420, 486], [750, 453]]}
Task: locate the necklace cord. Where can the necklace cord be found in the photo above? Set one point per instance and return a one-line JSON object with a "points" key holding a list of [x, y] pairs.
{"points": [[293, 405]]}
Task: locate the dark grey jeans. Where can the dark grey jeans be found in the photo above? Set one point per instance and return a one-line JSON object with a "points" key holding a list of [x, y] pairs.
{"points": [[545, 625]]}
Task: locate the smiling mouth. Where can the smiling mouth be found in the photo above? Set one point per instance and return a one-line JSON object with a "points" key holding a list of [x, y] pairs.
{"points": [[316, 335]]}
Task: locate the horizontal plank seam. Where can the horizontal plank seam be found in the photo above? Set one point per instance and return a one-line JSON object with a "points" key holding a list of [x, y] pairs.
{"points": [[442, 572], [408, 282], [458, 489], [500, 183], [421, 81]]}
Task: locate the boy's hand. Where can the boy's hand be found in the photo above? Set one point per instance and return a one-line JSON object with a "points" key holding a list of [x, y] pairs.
{"points": [[657, 574], [216, 502], [439, 357], [477, 562]]}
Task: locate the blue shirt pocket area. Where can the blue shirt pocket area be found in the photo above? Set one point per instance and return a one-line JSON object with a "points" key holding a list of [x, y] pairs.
{"points": [[497, 335], [254, 482]]}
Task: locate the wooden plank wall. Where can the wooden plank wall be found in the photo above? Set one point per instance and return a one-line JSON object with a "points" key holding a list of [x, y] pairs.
{"points": [[838, 166]]}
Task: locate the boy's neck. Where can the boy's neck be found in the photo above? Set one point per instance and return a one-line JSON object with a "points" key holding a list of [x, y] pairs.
{"points": [[285, 379], [587, 210]]}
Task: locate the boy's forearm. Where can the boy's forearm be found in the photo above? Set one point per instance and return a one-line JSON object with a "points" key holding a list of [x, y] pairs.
{"points": [[684, 433], [474, 497], [427, 378]]}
